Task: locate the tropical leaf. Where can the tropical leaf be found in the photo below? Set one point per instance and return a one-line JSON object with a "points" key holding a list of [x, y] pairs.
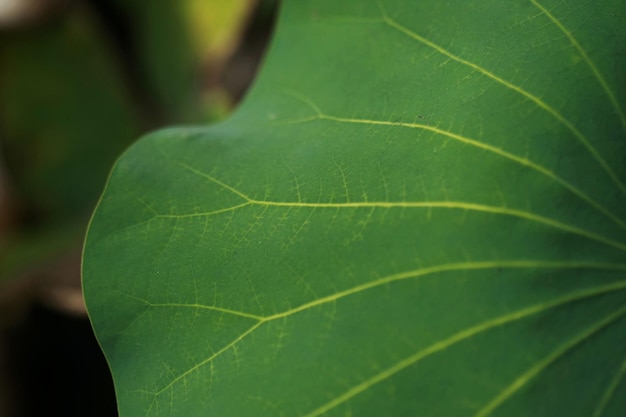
{"points": [[419, 209]]}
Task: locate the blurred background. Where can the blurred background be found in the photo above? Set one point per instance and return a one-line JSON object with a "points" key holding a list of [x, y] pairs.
{"points": [[80, 80]]}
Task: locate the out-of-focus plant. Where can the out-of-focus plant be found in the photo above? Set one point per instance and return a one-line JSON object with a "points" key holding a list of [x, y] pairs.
{"points": [[78, 82]]}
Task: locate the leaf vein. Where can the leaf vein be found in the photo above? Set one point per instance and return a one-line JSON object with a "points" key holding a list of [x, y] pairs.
{"points": [[588, 60], [407, 275], [610, 391], [462, 266], [522, 161], [540, 366], [319, 115], [540, 103], [441, 204], [210, 358], [457, 338]]}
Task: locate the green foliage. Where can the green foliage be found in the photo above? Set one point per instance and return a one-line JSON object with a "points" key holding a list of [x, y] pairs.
{"points": [[419, 209], [65, 115]]}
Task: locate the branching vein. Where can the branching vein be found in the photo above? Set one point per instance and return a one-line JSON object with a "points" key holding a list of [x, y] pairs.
{"points": [[459, 205], [477, 329], [464, 335], [319, 115], [540, 366], [540, 103], [467, 266], [210, 358], [587, 59], [610, 391]]}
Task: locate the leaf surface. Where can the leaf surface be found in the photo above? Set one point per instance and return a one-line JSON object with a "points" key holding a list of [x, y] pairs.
{"points": [[419, 209]]}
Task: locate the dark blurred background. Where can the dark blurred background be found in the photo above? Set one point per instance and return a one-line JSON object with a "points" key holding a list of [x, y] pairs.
{"points": [[80, 80]]}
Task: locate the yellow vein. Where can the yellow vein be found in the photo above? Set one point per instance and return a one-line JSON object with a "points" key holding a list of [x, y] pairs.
{"points": [[214, 180], [392, 23], [207, 307], [431, 204], [461, 266], [319, 115], [209, 359], [398, 277], [457, 338], [540, 366], [604, 401], [438, 204], [456, 205], [459, 205], [590, 63], [196, 305], [522, 161], [202, 214]]}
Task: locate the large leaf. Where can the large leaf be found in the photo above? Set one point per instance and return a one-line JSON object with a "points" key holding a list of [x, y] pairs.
{"points": [[420, 209]]}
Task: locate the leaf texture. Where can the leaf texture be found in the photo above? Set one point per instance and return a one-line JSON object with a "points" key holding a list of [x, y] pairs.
{"points": [[419, 209]]}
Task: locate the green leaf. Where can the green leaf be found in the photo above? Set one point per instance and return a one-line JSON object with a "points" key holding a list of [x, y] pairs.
{"points": [[420, 209]]}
